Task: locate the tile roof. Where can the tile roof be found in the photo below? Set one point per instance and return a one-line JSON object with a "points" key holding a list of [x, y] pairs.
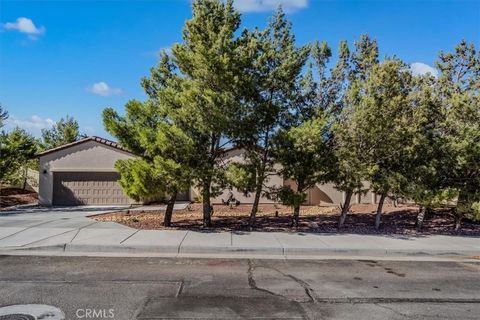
{"points": [[104, 141]]}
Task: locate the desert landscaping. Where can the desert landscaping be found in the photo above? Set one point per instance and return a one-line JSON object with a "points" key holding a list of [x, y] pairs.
{"points": [[14, 196], [319, 219]]}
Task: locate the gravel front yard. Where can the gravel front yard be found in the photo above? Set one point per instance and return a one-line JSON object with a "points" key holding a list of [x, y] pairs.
{"points": [[395, 220], [13, 196]]}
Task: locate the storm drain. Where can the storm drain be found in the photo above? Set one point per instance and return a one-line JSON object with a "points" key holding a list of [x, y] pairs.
{"points": [[31, 312], [17, 316]]}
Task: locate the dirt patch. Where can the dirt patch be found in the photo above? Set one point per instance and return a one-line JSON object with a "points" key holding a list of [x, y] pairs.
{"points": [[395, 220], [13, 196]]}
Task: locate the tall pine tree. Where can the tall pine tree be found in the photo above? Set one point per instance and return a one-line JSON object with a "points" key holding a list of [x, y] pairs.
{"points": [[269, 101]]}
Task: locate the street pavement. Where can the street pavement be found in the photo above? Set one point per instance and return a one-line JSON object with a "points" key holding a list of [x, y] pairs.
{"points": [[71, 231], [173, 288]]}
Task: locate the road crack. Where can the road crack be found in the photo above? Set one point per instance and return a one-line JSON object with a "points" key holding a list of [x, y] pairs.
{"points": [[253, 284], [309, 292]]}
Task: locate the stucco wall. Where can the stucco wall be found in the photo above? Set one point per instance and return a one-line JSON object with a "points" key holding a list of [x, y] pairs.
{"points": [[88, 156], [321, 194], [237, 155], [327, 194]]}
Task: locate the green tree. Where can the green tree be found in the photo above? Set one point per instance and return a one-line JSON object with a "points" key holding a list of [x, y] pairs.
{"points": [[428, 150], [269, 93], [459, 91], [209, 68], [381, 119], [303, 147], [17, 148], [3, 116], [163, 152], [348, 76], [304, 154], [62, 132]]}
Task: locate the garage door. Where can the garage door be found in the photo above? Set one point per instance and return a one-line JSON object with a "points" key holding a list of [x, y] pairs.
{"points": [[87, 188]]}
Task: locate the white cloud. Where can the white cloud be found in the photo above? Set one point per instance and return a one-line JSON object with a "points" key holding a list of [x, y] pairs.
{"points": [[34, 124], [102, 89], [269, 5], [89, 131], [156, 54], [25, 25], [419, 68]]}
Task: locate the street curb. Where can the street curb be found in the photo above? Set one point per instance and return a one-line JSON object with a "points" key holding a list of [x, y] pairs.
{"points": [[253, 251]]}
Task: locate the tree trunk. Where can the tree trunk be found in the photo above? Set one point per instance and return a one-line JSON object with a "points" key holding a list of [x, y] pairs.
{"points": [[458, 222], [296, 208], [207, 222], [296, 215], [167, 220], [25, 176], [259, 186], [345, 208], [207, 212], [463, 201], [420, 218], [379, 211], [258, 193]]}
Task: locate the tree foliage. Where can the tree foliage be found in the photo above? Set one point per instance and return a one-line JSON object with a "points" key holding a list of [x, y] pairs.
{"points": [[164, 152], [381, 120], [361, 124], [305, 158], [269, 98], [16, 148], [459, 92], [64, 131], [349, 143], [208, 67], [3, 116]]}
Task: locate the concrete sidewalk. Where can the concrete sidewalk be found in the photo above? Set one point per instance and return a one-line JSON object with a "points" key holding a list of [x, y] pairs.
{"points": [[82, 234], [73, 232]]}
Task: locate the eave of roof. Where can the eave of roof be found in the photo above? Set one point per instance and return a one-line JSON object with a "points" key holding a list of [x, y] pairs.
{"points": [[104, 141]]}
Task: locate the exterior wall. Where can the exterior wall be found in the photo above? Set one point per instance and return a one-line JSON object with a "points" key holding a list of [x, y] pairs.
{"points": [[327, 194], [92, 156], [237, 155], [334, 196], [321, 194], [89, 156], [364, 198]]}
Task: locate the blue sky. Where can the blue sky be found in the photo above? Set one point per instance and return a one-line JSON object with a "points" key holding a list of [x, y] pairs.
{"points": [[78, 57]]}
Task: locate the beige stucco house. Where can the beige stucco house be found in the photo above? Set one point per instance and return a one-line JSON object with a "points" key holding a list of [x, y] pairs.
{"points": [[83, 173]]}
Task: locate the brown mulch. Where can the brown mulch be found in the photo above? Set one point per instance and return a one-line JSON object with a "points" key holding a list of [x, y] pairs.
{"points": [[360, 220], [13, 196]]}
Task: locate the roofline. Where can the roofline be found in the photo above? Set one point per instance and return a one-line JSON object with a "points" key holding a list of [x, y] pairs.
{"points": [[232, 148], [100, 140]]}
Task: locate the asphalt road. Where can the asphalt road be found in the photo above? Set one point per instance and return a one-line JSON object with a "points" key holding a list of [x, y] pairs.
{"points": [[159, 288]]}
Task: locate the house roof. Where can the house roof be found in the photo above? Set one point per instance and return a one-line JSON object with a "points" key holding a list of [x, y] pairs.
{"points": [[104, 141]]}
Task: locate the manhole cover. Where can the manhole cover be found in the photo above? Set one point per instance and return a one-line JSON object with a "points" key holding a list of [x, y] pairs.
{"points": [[31, 312], [17, 316]]}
